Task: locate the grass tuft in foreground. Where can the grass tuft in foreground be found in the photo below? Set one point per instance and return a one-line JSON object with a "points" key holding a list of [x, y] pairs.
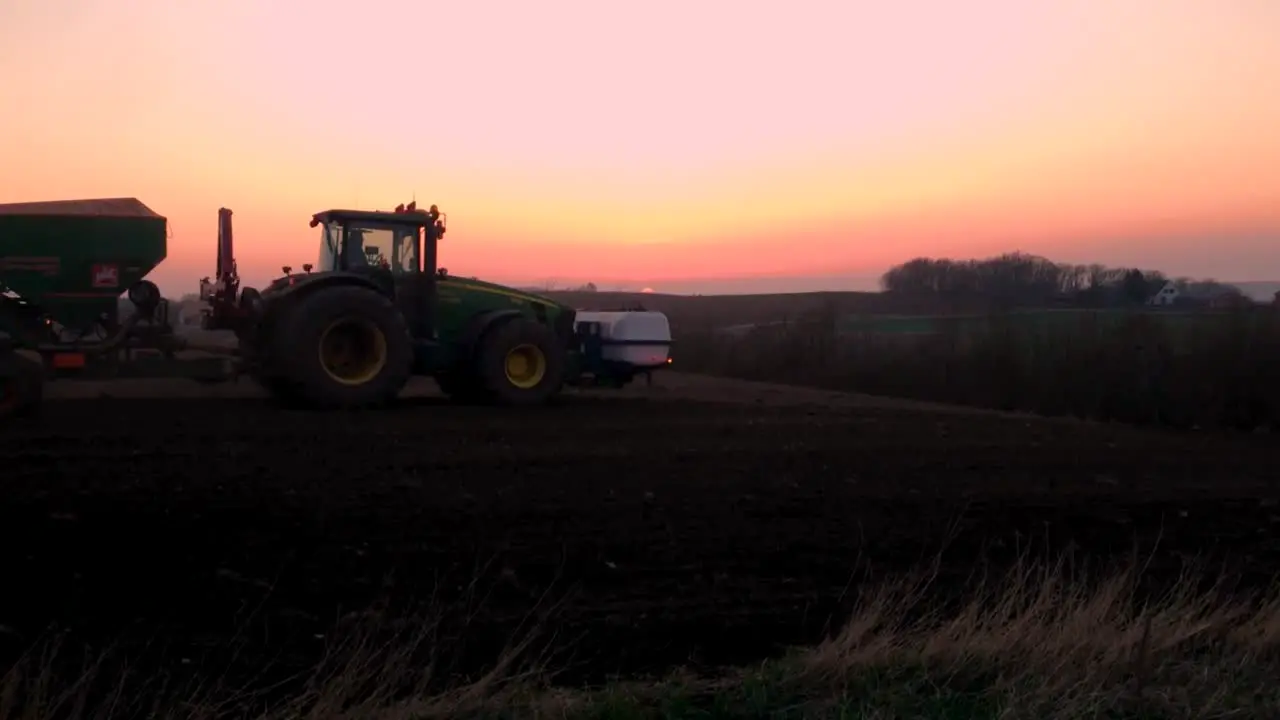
{"points": [[1034, 644]]}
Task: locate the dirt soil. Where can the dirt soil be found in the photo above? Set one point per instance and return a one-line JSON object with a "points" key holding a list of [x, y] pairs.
{"points": [[697, 521]]}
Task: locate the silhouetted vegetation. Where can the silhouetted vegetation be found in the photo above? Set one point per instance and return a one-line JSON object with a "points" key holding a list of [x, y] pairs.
{"points": [[1090, 350], [1205, 369], [1021, 280], [1034, 642]]}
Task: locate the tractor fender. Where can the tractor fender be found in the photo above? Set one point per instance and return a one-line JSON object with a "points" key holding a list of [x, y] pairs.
{"points": [[281, 300], [470, 337], [309, 283]]}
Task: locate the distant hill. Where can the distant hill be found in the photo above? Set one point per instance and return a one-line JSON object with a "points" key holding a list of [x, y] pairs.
{"points": [[706, 311], [1261, 290]]}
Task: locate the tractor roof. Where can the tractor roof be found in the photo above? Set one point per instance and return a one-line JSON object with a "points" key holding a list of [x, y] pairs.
{"points": [[103, 207], [412, 217]]}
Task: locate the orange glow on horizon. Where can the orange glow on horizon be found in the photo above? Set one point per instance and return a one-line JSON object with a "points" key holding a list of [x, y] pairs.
{"points": [[809, 138]]}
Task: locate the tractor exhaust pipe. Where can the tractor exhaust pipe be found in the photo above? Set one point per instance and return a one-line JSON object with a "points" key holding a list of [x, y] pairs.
{"points": [[221, 293]]}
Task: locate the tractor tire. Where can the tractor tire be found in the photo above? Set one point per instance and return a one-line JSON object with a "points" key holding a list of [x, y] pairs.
{"points": [[341, 348], [267, 347], [520, 362], [268, 375]]}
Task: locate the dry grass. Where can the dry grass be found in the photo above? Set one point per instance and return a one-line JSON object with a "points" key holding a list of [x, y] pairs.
{"points": [[1038, 643], [1222, 371], [1038, 646]]}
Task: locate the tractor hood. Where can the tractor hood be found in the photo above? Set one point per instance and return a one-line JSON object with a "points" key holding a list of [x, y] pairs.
{"points": [[473, 285]]}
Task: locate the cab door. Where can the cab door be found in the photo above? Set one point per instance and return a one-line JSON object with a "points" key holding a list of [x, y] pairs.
{"points": [[406, 270]]}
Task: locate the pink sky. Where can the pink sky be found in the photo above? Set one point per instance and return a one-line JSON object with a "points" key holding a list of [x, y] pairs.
{"points": [[632, 143]]}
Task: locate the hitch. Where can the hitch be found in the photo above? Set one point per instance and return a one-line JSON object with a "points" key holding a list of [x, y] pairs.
{"points": [[221, 293]]}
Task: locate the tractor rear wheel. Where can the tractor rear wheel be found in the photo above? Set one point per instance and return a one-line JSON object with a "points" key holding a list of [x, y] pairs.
{"points": [[263, 343], [521, 362], [342, 348]]}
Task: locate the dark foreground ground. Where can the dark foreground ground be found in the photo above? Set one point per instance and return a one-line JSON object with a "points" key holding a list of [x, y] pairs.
{"points": [[652, 532]]}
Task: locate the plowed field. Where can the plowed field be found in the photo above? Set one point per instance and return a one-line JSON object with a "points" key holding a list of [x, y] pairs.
{"points": [[700, 521]]}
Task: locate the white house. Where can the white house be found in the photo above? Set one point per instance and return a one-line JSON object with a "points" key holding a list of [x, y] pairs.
{"points": [[1166, 296]]}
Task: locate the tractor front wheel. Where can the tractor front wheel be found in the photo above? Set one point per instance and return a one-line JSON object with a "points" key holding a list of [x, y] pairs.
{"points": [[344, 348], [521, 362]]}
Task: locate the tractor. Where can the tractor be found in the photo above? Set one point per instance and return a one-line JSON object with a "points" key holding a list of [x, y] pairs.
{"points": [[347, 332]]}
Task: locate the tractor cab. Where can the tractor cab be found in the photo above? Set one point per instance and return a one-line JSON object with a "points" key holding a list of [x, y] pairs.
{"points": [[395, 250], [402, 241]]}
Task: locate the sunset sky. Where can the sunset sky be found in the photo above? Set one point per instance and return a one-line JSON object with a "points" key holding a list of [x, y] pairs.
{"points": [[637, 144]]}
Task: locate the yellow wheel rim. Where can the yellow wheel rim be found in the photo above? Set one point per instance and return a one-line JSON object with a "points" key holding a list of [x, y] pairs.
{"points": [[353, 351], [526, 365]]}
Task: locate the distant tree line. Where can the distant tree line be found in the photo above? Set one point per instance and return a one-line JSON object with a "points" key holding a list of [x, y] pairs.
{"points": [[1022, 279], [553, 286]]}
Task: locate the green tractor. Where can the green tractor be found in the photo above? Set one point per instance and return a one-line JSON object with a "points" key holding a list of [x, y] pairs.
{"points": [[348, 332]]}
